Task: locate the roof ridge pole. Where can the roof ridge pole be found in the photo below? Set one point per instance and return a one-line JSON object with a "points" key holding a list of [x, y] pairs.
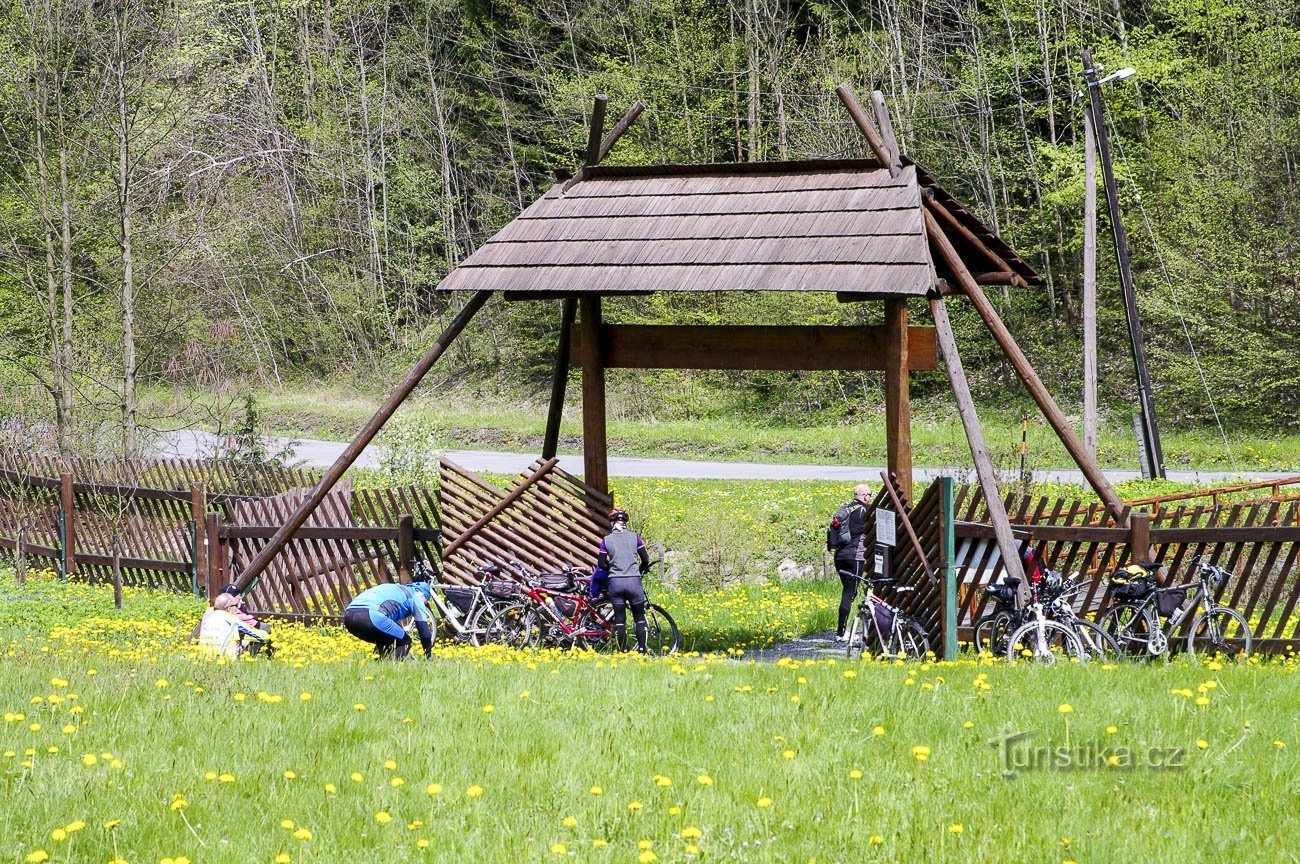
{"points": [[1051, 411], [845, 92], [887, 131], [364, 437], [979, 451]]}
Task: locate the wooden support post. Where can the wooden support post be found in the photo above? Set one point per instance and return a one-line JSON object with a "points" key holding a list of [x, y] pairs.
{"points": [[898, 399], [559, 379], [212, 560], [979, 452], [1139, 544], [948, 554], [364, 437], [67, 505], [595, 454], [619, 128], [199, 517], [1055, 417], [887, 133], [405, 547], [597, 130]]}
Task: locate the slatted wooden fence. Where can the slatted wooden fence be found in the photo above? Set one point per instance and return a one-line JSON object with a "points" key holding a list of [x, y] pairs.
{"points": [[79, 515], [357, 539], [548, 519], [1258, 541]]}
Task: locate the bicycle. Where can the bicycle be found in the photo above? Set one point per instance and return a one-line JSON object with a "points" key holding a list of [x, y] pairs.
{"points": [[991, 630], [1135, 620], [897, 634], [466, 609], [556, 609]]}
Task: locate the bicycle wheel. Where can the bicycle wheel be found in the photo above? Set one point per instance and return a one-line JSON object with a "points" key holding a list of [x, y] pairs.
{"points": [[1097, 643], [1043, 642], [857, 635], [597, 627], [1222, 631], [1130, 627], [515, 625], [991, 632], [476, 625], [907, 639], [661, 634]]}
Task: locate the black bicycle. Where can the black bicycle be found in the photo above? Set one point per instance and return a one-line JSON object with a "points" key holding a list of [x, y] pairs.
{"points": [[1134, 620]]}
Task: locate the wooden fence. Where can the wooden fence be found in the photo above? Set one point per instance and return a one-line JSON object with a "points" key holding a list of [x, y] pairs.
{"points": [[80, 515], [1258, 541]]}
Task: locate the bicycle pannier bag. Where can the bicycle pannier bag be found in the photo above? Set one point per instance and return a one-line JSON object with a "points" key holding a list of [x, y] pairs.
{"points": [[460, 597], [566, 605], [1169, 600], [1135, 589], [501, 589], [557, 583], [884, 619]]}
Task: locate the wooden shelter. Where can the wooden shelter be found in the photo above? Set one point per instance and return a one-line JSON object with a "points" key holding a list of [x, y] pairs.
{"points": [[877, 228]]}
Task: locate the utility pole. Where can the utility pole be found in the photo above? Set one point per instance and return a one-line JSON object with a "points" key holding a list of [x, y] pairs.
{"points": [[1153, 461], [1089, 287]]}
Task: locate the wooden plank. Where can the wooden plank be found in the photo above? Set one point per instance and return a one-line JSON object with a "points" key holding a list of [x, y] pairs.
{"points": [[66, 503], [635, 346], [1024, 370], [559, 377], [898, 398], [975, 437]]}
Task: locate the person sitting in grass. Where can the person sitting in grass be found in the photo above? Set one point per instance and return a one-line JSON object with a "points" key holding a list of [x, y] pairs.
{"points": [[376, 614], [220, 629], [622, 554]]}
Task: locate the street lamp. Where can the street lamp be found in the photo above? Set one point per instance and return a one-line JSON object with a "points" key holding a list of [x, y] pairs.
{"points": [[1153, 461]]}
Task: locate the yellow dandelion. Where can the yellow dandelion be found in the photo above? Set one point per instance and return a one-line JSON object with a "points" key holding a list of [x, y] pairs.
{"points": [[764, 802], [921, 752], [433, 789], [290, 775], [357, 776], [58, 835], [383, 817], [704, 780], [474, 791], [559, 849], [283, 858], [302, 834], [855, 774], [878, 731], [89, 759], [488, 709], [1202, 744], [875, 839], [596, 790], [690, 832], [956, 828], [287, 824], [1064, 708], [634, 806]]}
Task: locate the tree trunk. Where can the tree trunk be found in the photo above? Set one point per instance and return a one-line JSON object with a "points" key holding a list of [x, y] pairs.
{"points": [[129, 443]]}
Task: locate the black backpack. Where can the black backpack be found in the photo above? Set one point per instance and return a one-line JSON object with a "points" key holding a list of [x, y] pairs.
{"points": [[837, 533]]}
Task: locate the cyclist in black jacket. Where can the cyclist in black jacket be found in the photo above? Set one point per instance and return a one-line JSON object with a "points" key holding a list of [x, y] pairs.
{"points": [[849, 557], [623, 555]]}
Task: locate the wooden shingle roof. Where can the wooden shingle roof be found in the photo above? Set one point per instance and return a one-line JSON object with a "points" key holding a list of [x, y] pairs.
{"points": [[791, 226], [819, 225]]}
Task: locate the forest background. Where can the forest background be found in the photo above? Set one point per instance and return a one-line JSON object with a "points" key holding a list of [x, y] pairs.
{"points": [[204, 198]]}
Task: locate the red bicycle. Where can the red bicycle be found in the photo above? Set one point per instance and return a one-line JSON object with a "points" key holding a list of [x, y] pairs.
{"points": [[555, 610]]}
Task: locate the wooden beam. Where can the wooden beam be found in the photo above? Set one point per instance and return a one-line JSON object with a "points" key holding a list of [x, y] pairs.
{"points": [[619, 128], [597, 130], [898, 396], [67, 505], [860, 119], [364, 437], [887, 133], [559, 379], [975, 437], [595, 452], [648, 346], [1001, 274], [1055, 417]]}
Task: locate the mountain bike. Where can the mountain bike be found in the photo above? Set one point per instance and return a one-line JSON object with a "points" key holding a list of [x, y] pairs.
{"points": [[556, 609], [465, 610], [1053, 593], [1135, 619], [992, 629], [896, 634]]}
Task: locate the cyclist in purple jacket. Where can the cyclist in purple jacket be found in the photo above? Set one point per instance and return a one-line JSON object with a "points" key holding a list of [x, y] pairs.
{"points": [[623, 555]]}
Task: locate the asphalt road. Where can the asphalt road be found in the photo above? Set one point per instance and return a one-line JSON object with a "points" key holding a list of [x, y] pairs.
{"points": [[321, 454]]}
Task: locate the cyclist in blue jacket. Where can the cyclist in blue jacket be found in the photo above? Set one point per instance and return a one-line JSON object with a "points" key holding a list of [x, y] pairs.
{"points": [[375, 616]]}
